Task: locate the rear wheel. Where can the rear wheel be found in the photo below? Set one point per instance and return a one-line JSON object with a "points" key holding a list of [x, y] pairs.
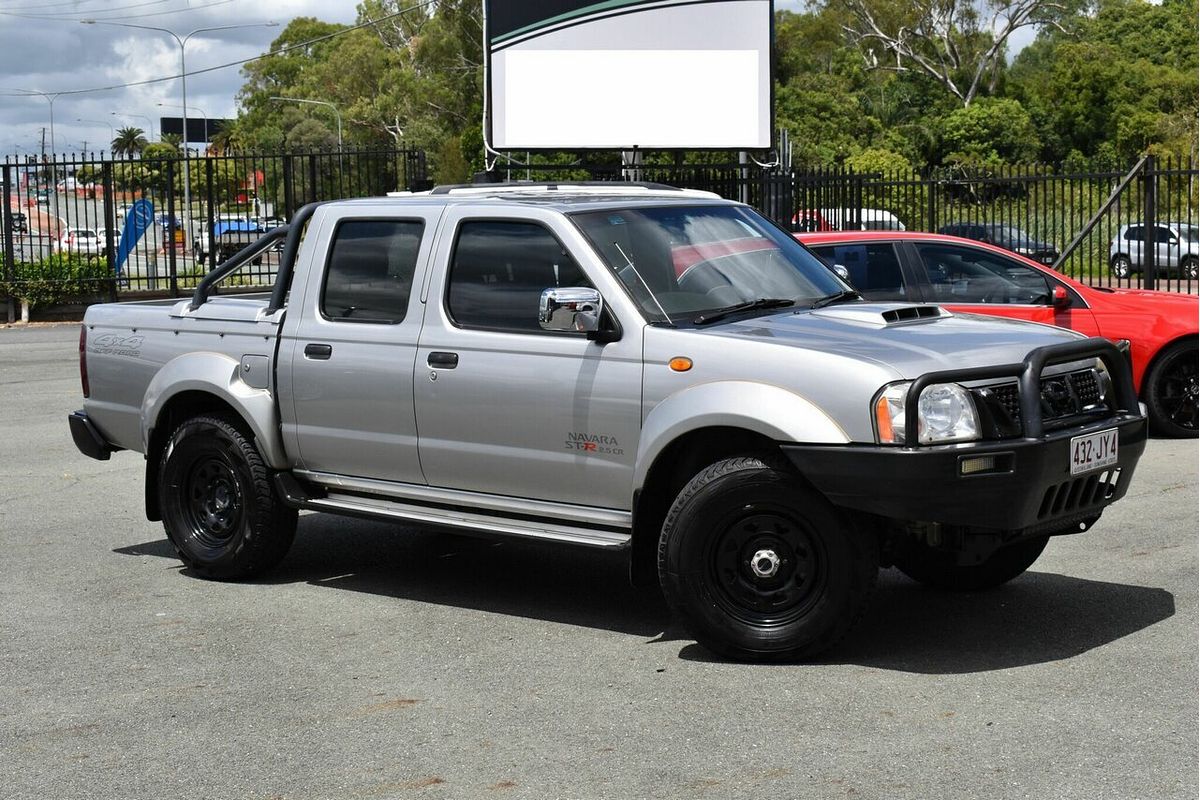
{"points": [[219, 508], [1189, 269], [937, 568], [760, 567], [1172, 392]]}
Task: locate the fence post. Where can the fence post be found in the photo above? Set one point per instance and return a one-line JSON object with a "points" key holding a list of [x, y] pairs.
{"points": [[170, 244], [312, 177], [1150, 221], [9, 251], [110, 221], [209, 227], [931, 188], [288, 187]]}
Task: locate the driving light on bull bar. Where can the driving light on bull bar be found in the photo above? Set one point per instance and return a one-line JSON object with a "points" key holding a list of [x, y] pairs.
{"points": [[945, 413]]}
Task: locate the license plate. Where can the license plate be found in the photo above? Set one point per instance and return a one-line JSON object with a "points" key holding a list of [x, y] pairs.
{"points": [[1093, 451]]}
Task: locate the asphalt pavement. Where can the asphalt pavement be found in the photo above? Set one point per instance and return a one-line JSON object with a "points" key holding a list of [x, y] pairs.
{"points": [[384, 662]]}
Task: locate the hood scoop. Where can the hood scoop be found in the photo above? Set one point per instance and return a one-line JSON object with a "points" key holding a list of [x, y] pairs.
{"points": [[881, 315]]}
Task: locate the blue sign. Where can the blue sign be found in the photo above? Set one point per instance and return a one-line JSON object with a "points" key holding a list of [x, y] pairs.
{"points": [[137, 222]]}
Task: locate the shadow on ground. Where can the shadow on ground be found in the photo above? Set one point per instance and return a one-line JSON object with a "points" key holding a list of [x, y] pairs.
{"points": [[1037, 618]]}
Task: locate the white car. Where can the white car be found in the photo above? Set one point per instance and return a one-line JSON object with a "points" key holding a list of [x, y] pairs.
{"points": [[80, 240]]}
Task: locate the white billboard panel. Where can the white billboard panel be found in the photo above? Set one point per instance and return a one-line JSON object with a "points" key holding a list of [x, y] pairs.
{"points": [[566, 75]]}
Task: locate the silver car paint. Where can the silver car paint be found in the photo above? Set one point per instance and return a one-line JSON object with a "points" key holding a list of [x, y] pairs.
{"points": [[142, 354], [500, 423], [353, 413], [517, 415]]}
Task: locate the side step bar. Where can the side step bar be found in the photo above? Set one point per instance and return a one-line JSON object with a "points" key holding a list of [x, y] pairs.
{"points": [[296, 496]]}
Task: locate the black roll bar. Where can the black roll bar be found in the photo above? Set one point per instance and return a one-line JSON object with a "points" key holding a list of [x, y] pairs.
{"points": [[287, 261], [229, 265]]}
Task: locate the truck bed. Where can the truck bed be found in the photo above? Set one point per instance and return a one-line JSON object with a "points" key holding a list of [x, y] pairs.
{"points": [[129, 344]]}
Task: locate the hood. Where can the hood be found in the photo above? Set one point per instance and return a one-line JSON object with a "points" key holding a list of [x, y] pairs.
{"points": [[909, 339]]}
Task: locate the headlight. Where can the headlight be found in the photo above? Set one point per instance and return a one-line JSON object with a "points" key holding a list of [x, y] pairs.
{"points": [[945, 413]]}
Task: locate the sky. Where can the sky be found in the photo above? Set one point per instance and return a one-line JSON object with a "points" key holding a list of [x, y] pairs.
{"points": [[45, 47]]}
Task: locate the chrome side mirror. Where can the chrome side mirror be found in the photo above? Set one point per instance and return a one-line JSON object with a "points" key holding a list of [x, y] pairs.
{"points": [[574, 309], [842, 272]]}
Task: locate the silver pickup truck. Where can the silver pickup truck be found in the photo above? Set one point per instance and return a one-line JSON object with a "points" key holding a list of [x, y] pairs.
{"points": [[631, 366]]}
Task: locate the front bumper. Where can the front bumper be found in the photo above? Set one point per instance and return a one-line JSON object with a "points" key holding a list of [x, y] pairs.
{"points": [[87, 438], [1031, 487], [1021, 484]]}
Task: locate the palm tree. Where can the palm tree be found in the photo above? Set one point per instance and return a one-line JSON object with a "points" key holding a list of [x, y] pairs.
{"points": [[129, 142]]}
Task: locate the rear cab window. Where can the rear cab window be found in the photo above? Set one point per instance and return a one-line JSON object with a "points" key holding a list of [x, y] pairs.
{"points": [[369, 275]]}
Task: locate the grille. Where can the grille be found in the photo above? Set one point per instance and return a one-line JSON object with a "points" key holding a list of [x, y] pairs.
{"points": [[1079, 494], [1062, 395]]}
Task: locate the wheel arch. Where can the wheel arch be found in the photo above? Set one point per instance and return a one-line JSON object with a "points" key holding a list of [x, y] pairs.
{"points": [[700, 426], [1193, 338], [204, 383]]}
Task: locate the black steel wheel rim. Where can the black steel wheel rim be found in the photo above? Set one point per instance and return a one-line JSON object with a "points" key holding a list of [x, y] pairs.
{"points": [[1179, 391], [755, 596], [214, 504]]}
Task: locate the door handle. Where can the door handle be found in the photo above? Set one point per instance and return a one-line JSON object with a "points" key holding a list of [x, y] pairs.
{"points": [[318, 352], [443, 360]]}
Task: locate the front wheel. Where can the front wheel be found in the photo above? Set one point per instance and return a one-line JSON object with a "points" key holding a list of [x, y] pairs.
{"points": [[1190, 269], [758, 566], [939, 569], [219, 508], [1172, 392], [1121, 267]]}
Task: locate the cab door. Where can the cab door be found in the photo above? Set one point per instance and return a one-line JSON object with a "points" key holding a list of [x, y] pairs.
{"points": [[504, 407], [351, 348]]}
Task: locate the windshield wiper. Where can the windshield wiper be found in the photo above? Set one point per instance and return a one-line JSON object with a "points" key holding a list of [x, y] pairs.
{"points": [[749, 305], [836, 297]]}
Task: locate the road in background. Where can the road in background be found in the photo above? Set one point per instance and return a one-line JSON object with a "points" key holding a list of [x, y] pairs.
{"points": [[383, 662]]}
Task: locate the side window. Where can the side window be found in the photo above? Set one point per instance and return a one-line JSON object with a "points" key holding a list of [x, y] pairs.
{"points": [[499, 271], [1165, 235], [1134, 233], [968, 275], [369, 276], [874, 268]]}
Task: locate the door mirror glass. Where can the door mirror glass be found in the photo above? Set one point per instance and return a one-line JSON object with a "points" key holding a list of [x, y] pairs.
{"points": [[842, 272], [571, 309]]}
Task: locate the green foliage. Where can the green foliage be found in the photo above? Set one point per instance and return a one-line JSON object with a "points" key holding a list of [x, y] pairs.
{"points": [[56, 278], [989, 131]]}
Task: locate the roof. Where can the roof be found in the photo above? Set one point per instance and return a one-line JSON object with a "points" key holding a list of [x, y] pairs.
{"points": [[562, 196], [845, 236]]}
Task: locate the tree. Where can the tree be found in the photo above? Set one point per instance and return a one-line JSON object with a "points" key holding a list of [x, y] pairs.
{"points": [[990, 131], [958, 44], [129, 142]]}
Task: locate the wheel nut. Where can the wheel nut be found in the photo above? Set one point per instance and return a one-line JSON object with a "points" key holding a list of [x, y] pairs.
{"points": [[765, 564]]}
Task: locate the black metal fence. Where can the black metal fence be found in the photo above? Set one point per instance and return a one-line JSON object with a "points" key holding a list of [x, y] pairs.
{"points": [[64, 219], [1085, 220]]}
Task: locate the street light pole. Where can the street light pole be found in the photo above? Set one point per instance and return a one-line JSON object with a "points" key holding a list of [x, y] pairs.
{"points": [[49, 97], [111, 133], [149, 122], [182, 42]]}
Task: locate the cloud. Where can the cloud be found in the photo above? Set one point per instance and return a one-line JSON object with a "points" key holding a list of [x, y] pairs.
{"points": [[58, 53]]}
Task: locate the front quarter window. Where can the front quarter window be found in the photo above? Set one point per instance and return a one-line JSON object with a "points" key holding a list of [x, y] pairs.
{"points": [[679, 262]]}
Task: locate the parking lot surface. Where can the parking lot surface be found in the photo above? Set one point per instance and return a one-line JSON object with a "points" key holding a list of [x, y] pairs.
{"points": [[383, 662]]}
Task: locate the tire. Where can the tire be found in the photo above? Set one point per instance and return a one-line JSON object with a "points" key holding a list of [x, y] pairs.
{"points": [[814, 573], [936, 568], [1188, 269], [1121, 267], [218, 505], [1171, 391]]}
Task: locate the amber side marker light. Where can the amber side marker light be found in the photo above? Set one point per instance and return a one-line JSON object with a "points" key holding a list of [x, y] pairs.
{"points": [[680, 364]]}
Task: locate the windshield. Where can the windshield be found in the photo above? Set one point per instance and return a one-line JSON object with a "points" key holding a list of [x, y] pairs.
{"points": [[681, 262]]}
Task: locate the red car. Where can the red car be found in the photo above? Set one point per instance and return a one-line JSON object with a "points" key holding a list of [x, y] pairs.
{"points": [[969, 276]]}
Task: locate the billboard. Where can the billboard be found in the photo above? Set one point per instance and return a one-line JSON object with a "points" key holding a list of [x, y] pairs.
{"points": [[199, 130], [651, 74]]}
